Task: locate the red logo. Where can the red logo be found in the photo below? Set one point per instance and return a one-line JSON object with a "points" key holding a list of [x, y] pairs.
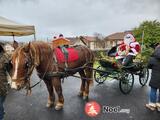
{"points": [[92, 108]]}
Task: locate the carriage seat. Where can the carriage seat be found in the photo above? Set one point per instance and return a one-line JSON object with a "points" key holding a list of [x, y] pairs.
{"points": [[133, 67], [108, 64], [112, 52]]}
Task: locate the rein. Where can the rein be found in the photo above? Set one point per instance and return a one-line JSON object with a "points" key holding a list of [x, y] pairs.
{"points": [[33, 64]]}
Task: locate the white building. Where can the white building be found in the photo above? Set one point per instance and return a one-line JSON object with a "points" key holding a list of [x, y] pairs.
{"points": [[8, 47]]}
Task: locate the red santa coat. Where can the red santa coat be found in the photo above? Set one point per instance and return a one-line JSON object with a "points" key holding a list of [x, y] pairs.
{"points": [[134, 48]]}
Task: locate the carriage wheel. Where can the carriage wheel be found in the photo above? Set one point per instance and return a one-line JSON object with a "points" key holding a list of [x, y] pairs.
{"points": [[100, 76], [143, 77], [126, 83]]}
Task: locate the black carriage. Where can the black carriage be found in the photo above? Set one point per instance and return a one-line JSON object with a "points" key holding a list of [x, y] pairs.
{"points": [[125, 74]]}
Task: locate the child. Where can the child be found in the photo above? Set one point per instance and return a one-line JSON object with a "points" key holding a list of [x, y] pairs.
{"points": [[121, 52], [154, 64]]}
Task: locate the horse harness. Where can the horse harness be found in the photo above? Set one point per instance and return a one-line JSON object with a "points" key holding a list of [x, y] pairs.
{"points": [[30, 65]]}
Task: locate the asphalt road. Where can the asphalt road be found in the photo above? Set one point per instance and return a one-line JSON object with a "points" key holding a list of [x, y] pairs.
{"points": [[21, 107]]}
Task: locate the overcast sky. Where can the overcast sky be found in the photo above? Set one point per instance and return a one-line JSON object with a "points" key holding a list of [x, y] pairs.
{"points": [[80, 17]]}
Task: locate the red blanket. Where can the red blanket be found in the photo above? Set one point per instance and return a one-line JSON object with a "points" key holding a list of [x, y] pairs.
{"points": [[72, 55]]}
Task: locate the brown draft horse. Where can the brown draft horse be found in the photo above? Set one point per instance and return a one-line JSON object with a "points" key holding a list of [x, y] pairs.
{"points": [[40, 55]]}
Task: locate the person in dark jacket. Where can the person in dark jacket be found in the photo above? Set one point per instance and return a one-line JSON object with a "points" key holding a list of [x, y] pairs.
{"points": [[4, 86], [154, 64]]}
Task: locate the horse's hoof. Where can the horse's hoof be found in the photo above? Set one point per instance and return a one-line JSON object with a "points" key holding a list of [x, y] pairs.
{"points": [[49, 105], [85, 98], [80, 94], [59, 106]]}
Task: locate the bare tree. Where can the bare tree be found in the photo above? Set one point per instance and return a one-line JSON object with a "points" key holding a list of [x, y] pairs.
{"points": [[99, 40]]}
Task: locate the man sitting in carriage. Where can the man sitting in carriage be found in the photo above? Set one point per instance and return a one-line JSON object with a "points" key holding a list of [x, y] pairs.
{"points": [[132, 49], [127, 50]]}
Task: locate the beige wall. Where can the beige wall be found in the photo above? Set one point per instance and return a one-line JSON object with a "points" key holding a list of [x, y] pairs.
{"points": [[8, 48]]}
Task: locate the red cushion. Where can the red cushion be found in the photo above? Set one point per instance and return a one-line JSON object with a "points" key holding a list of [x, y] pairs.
{"points": [[72, 55]]}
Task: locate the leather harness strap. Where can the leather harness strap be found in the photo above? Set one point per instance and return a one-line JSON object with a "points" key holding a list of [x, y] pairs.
{"points": [[65, 52], [35, 61]]}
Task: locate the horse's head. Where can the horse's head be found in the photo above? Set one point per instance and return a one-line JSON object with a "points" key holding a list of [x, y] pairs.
{"points": [[22, 66]]}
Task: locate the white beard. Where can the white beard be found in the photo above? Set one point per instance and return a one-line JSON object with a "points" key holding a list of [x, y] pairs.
{"points": [[127, 41]]}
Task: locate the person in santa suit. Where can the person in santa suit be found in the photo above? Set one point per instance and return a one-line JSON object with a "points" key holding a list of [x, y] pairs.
{"points": [[132, 49]]}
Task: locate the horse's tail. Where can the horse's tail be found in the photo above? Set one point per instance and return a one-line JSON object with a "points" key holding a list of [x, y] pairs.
{"points": [[90, 58], [89, 71], [89, 74]]}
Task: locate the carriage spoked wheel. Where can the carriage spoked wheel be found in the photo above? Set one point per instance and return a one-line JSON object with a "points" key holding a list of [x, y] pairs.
{"points": [[126, 83], [143, 77], [99, 75]]}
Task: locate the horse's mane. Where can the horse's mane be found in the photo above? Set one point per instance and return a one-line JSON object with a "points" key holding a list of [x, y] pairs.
{"points": [[37, 49], [41, 50]]}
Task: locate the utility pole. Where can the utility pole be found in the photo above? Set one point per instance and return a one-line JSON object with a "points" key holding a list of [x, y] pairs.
{"points": [[142, 40]]}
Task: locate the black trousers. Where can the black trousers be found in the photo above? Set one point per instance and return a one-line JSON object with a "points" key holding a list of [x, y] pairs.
{"points": [[128, 60], [120, 61]]}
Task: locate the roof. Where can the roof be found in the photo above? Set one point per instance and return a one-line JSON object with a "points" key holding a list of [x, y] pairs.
{"points": [[116, 36], [86, 39], [89, 38], [73, 40], [60, 41], [10, 28], [61, 38]]}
